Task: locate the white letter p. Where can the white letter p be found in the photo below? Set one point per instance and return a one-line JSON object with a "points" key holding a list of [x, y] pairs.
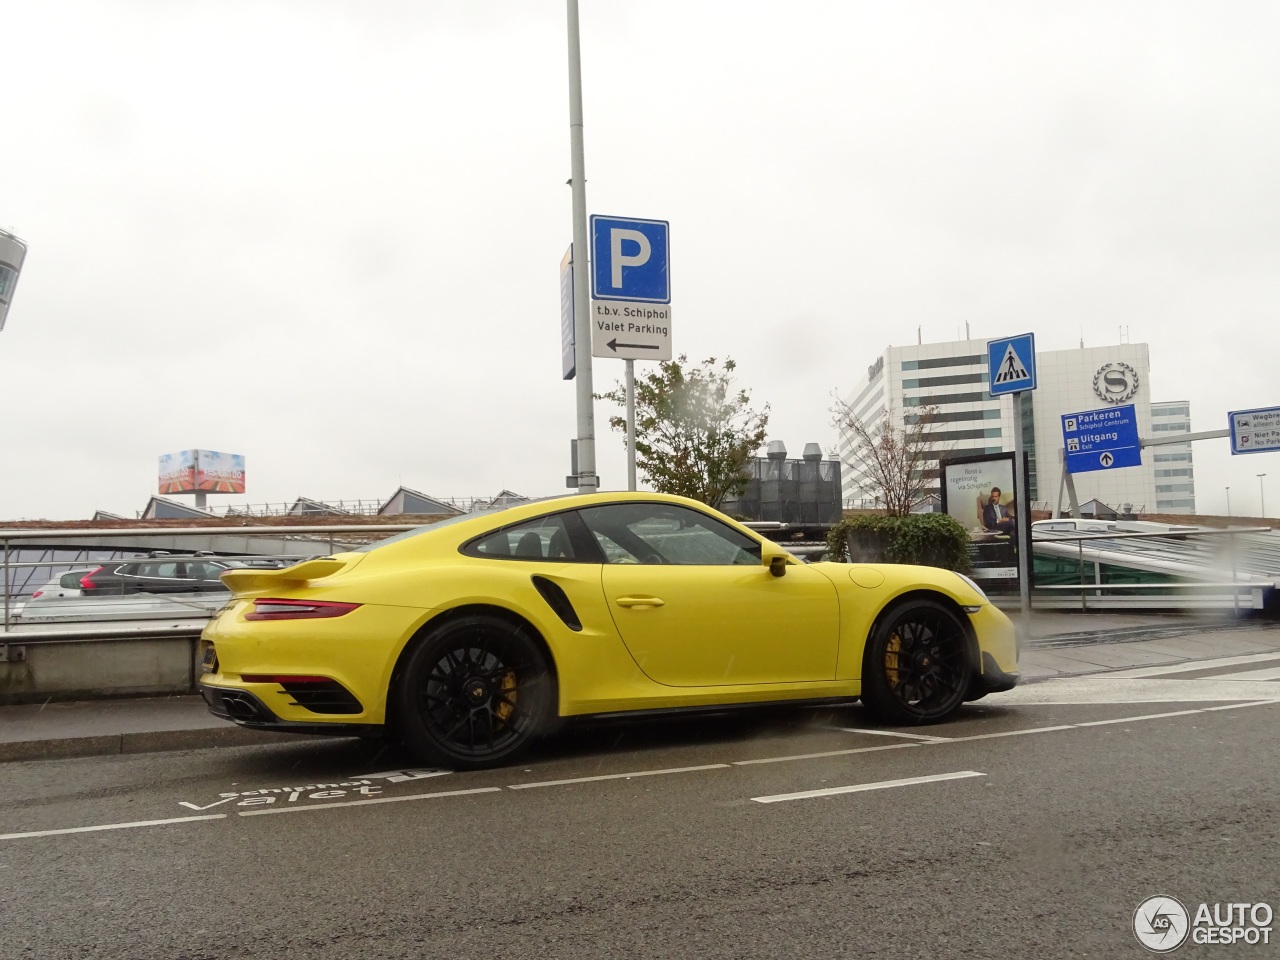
{"points": [[616, 236]]}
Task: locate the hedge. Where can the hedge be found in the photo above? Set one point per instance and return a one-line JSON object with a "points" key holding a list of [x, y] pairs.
{"points": [[931, 539]]}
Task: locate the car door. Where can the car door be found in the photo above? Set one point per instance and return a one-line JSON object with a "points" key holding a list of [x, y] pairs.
{"points": [[696, 607], [156, 576], [205, 576]]}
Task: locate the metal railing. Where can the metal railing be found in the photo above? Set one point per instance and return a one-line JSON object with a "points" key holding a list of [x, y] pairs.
{"points": [[1187, 555], [316, 537]]}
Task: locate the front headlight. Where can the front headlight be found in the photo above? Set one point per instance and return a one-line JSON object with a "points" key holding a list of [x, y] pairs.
{"points": [[976, 589]]}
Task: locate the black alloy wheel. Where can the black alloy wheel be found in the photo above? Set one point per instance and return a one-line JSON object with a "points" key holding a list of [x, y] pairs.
{"points": [[916, 667], [474, 693]]}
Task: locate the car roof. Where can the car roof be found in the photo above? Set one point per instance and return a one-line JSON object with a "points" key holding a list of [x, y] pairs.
{"points": [[476, 523]]}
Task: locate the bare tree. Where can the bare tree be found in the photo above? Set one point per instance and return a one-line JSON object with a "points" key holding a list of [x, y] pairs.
{"points": [[890, 461]]}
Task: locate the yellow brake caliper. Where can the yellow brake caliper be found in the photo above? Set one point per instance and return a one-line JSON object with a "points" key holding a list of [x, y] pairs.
{"points": [[891, 659], [506, 706]]}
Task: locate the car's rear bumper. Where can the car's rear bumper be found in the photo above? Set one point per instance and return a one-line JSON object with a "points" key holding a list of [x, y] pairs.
{"points": [[245, 708]]}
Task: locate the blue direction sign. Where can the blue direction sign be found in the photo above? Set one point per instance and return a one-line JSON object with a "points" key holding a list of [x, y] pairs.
{"points": [[1255, 431], [630, 260], [1011, 363], [1104, 439]]}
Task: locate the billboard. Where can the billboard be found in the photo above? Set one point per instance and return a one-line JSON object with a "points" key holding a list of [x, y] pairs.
{"points": [[12, 252], [202, 471], [978, 492]]}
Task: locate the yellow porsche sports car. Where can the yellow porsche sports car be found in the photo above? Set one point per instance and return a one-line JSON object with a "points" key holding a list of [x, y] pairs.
{"points": [[469, 637]]}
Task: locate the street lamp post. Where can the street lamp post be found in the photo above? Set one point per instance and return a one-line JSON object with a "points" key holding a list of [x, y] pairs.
{"points": [[1262, 494], [1228, 501]]}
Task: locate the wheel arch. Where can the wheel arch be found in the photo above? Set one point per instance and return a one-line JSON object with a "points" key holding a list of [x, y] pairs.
{"points": [[467, 610], [972, 648]]}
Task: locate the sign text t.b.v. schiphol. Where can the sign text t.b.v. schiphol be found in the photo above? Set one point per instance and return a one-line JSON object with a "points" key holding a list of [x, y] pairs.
{"points": [[1105, 439], [630, 288]]}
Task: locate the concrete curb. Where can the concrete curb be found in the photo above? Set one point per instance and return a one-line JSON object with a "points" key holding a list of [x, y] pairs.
{"points": [[150, 741]]}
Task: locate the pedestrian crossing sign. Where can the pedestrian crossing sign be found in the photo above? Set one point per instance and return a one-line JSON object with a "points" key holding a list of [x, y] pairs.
{"points": [[1011, 364]]}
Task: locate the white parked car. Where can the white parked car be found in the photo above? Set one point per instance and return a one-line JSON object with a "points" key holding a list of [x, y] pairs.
{"points": [[67, 585]]}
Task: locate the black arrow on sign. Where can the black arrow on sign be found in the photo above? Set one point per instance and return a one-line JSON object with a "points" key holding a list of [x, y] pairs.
{"points": [[1107, 459], [614, 345]]}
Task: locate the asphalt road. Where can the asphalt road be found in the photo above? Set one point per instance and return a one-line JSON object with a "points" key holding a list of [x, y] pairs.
{"points": [[1019, 831]]}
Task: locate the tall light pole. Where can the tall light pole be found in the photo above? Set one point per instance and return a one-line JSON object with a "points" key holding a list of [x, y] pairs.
{"points": [[1261, 494], [588, 482], [1228, 501]]}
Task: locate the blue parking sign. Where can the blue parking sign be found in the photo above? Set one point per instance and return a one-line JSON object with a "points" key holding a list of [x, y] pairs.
{"points": [[630, 260], [1105, 439]]}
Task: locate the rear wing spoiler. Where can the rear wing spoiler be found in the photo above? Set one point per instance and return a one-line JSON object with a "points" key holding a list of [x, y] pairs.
{"points": [[245, 580]]}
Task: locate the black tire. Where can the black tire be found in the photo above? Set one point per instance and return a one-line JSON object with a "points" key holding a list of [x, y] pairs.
{"points": [[474, 693], [916, 667]]}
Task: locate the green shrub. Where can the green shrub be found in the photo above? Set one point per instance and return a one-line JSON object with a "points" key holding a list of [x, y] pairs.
{"points": [[931, 539]]}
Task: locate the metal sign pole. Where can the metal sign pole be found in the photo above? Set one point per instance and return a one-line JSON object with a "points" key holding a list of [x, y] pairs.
{"points": [[588, 482], [1023, 532], [631, 425]]}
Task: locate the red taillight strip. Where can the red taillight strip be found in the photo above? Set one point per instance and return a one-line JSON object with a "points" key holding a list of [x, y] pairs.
{"points": [[86, 582], [273, 608]]}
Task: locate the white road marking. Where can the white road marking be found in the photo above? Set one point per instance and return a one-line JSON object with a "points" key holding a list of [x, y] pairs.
{"points": [[890, 733], [863, 787], [110, 826], [616, 776], [1141, 673], [1237, 706], [1108, 689], [262, 812], [1012, 733], [1149, 716], [826, 753], [1268, 700], [1270, 673]]}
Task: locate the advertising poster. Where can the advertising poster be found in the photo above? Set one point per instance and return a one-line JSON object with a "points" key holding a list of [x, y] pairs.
{"points": [[178, 472], [219, 472], [202, 471], [978, 492]]}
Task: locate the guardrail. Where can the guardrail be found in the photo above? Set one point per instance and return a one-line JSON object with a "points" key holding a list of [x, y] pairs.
{"points": [[1174, 560], [330, 535]]}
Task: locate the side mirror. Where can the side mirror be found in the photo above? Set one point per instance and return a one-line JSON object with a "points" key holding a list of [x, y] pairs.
{"points": [[778, 566]]}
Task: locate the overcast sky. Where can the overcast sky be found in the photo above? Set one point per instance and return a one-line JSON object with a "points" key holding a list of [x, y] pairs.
{"points": [[326, 234]]}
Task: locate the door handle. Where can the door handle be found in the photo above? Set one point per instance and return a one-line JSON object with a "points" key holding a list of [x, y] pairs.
{"points": [[639, 602]]}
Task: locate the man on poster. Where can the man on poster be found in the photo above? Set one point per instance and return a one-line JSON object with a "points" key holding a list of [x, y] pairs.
{"points": [[996, 518]]}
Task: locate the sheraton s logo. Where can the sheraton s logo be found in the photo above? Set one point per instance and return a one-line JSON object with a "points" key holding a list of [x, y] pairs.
{"points": [[1116, 382]]}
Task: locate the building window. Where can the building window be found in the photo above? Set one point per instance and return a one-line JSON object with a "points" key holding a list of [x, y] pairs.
{"points": [[944, 435], [955, 416], [1183, 472], [942, 362], [944, 381], [941, 399], [1180, 411], [1175, 487], [1183, 427]]}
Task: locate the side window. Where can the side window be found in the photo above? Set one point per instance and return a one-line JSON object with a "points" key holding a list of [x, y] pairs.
{"points": [[657, 533], [543, 538], [204, 571]]}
